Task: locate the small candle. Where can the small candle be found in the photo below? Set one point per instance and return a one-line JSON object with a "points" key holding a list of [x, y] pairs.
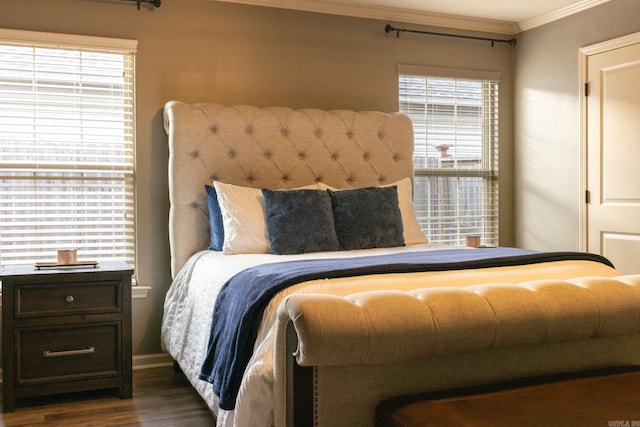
{"points": [[473, 240], [67, 256]]}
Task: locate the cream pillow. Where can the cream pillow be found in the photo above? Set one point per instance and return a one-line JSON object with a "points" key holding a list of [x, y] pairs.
{"points": [[244, 219], [412, 232]]}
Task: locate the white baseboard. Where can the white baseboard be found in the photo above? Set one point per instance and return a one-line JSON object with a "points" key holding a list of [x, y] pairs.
{"points": [[146, 361]]}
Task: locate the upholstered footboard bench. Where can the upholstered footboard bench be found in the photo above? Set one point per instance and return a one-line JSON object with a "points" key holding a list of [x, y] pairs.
{"points": [[595, 398], [451, 338]]}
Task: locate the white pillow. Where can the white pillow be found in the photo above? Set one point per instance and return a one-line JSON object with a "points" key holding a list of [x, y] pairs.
{"points": [[244, 219], [412, 232]]}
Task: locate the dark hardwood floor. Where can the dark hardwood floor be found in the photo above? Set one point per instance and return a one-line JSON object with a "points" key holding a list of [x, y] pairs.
{"points": [[161, 397]]}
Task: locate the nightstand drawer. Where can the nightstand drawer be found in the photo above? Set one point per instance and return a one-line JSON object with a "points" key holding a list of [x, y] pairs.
{"points": [[63, 353], [36, 300]]}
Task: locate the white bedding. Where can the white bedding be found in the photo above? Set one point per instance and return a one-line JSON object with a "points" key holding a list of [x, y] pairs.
{"points": [[189, 308], [187, 322]]}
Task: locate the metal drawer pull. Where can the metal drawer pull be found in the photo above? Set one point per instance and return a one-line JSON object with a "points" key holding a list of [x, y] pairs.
{"points": [[89, 350], [69, 299]]}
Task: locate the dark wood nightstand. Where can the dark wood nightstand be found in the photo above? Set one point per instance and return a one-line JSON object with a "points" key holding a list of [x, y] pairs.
{"points": [[65, 330]]}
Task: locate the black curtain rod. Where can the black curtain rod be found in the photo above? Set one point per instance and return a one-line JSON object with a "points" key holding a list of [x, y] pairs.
{"points": [[388, 29], [154, 3]]}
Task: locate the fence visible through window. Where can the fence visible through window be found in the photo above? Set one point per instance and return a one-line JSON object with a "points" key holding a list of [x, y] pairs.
{"points": [[455, 124]]}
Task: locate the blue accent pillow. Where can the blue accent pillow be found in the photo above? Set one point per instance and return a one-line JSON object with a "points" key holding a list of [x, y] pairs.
{"points": [[367, 217], [215, 219], [300, 221]]}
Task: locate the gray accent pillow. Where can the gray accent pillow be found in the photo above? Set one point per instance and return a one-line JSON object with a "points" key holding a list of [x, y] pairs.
{"points": [[367, 217], [300, 221]]}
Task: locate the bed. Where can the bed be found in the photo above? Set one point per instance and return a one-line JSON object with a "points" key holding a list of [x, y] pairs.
{"points": [[329, 348]]}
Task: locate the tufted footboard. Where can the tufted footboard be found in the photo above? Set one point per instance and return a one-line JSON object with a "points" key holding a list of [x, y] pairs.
{"points": [[364, 348]]}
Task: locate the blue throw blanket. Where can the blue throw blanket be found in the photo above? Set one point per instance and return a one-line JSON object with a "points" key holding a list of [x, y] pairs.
{"points": [[239, 307]]}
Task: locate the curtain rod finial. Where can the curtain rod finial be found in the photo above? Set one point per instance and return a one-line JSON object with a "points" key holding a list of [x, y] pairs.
{"points": [[154, 3], [388, 28]]}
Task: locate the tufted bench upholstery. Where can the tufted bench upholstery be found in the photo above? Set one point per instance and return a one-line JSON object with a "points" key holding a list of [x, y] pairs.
{"points": [[451, 338], [361, 328]]}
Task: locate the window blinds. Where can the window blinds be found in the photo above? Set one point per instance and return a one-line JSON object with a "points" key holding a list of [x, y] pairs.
{"points": [[67, 149], [455, 124]]}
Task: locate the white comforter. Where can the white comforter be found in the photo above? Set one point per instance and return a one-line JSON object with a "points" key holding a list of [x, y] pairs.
{"points": [[190, 299], [187, 322]]}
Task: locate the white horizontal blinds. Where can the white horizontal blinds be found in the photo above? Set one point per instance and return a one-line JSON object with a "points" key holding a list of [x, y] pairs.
{"points": [[455, 124], [67, 151]]}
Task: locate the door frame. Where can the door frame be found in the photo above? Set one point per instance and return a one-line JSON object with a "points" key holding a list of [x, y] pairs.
{"points": [[584, 53]]}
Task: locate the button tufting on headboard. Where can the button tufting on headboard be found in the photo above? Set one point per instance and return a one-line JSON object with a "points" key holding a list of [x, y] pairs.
{"points": [[273, 147]]}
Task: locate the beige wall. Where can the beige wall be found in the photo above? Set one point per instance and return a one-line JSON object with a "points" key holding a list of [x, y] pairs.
{"points": [[199, 50], [547, 122]]}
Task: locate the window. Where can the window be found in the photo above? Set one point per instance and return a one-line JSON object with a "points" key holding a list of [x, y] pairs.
{"points": [[66, 147], [455, 121]]}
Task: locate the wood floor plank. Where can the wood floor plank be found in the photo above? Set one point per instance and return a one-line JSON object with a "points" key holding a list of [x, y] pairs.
{"points": [[161, 398]]}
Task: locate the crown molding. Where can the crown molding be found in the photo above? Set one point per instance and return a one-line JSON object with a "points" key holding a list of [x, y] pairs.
{"points": [[389, 14], [564, 12], [423, 18]]}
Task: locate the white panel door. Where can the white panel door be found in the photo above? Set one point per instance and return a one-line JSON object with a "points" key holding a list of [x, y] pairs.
{"points": [[613, 156]]}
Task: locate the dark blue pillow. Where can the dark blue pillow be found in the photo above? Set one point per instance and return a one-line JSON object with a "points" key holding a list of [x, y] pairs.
{"points": [[215, 219], [367, 217], [300, 221]]}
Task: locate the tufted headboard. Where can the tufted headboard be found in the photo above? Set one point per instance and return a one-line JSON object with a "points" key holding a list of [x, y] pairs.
{"points": [[272, 147]]}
